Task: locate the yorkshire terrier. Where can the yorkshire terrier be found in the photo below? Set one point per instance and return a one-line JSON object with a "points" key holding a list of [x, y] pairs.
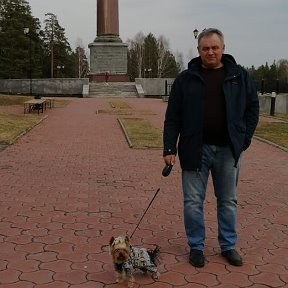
{"points": [[127, 259]]}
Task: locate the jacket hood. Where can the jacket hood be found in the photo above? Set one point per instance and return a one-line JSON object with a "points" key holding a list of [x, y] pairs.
{"points": [[226, 59]]}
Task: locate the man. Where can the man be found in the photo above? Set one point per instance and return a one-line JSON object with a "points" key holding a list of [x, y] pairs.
{"points": [[213, 109]]}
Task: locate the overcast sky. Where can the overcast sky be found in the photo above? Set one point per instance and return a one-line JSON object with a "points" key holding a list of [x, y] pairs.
{"points": [[255, 30]]}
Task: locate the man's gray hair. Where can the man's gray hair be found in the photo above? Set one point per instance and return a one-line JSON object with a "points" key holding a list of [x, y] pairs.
{"points": [[210, 32]]}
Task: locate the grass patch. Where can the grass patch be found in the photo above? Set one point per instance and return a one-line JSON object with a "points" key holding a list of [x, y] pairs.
{"points": [[13, 126], [117, 104], [275, 132], [6, 100], [15, 100], [140, 133], [122, 108], [277, 115]]}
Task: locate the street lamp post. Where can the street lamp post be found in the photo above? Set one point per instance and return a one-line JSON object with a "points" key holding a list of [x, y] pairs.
{"points": [[196, 32], [61, 69], [149, 72], [28, 32], [53, 20]]}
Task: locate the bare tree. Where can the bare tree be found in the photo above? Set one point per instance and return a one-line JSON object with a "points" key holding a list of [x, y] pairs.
{"points": [[151, 57], [191, 54], [163, 47], [137, 45], [179, 60], [82, 58], [83, 66]]}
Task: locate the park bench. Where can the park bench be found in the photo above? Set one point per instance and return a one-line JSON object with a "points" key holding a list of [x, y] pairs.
{"points": [[49, 102], [35, 104]]}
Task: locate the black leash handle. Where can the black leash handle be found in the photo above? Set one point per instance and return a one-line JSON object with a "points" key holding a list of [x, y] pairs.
{"points": [[166, 170], [145, 212]]}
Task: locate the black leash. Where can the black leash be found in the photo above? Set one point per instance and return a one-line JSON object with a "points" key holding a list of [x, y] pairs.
{"points": [[145, 212]]}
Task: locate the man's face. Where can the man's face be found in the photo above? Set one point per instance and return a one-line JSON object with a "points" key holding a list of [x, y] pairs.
{"points": [[211, 50]]}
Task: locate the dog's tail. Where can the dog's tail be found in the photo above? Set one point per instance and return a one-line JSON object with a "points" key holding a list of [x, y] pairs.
{"points": [[155, 255]]}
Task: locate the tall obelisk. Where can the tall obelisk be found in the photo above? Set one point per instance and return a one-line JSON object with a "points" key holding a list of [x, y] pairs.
{"points": [[108, 54], [107, 20]]}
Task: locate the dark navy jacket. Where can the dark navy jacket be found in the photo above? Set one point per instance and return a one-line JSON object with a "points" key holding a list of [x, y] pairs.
{"points": [[183, 123]]}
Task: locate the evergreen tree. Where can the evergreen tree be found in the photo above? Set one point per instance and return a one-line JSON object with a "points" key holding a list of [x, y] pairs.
{"points": [[283, 75], [149, 57], [58, 57], [150, 66], [171, 67], [167, 64], [15, 46], [273, 78]]}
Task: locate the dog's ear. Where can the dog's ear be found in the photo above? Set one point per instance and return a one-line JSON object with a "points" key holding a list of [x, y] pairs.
{"points": [[111, 241], [127, 240], [110, 244]]}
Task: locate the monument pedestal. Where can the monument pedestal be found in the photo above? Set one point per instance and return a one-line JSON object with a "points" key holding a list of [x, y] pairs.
{"points": [[108, 57]]}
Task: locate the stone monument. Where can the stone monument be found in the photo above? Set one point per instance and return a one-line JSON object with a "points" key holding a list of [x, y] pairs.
{"points": [[108, 54]]}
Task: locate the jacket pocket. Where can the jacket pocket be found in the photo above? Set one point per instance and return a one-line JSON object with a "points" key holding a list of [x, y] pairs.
{"points": [[187, 133], [241, 128], [189, 149]]}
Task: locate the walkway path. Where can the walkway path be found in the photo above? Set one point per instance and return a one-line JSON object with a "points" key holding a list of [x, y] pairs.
{"points": [[72, 182]]}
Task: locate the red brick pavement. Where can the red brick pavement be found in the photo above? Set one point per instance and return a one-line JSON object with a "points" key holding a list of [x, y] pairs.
{"points": [[72, 182]]}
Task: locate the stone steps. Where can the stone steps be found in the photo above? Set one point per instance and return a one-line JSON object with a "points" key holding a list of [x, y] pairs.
{"points": [[112, 89]]}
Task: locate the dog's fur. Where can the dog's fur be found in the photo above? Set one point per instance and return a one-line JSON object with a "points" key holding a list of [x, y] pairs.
{"points": [[127, 259]]}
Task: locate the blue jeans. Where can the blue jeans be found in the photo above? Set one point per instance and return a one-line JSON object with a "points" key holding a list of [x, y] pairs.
{"points": [[220, 161]]}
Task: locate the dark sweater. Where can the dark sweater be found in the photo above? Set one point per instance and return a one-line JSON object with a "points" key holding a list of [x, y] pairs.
{"points": [[215, 121]]}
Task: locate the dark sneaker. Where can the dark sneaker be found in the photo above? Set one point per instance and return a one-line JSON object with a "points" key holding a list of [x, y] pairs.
{"points": [[196, 258], [232, 257]]}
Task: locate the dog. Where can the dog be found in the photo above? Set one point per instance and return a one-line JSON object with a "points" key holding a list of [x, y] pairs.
{"points": [[128, 258]]}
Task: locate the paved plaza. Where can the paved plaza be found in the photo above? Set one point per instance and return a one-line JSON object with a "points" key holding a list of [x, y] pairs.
{"points": [[72, 182]]}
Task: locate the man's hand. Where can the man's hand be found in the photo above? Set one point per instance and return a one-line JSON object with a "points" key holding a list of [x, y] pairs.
{"points": [[169, 159]]}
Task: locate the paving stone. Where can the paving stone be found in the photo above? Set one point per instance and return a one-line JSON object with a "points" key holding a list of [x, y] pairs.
{"points": [[9, 276], [181, 267], [90, 284], [43, 257], [71, 277], [38, 277], [203, 278], [53, 284], [30, 248], [3, 265], [74, 256], [57, 266], [20, 284], [269, 279], [24, 265], [60, 247], [236, 277], [105, 277], [89, 266]]}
